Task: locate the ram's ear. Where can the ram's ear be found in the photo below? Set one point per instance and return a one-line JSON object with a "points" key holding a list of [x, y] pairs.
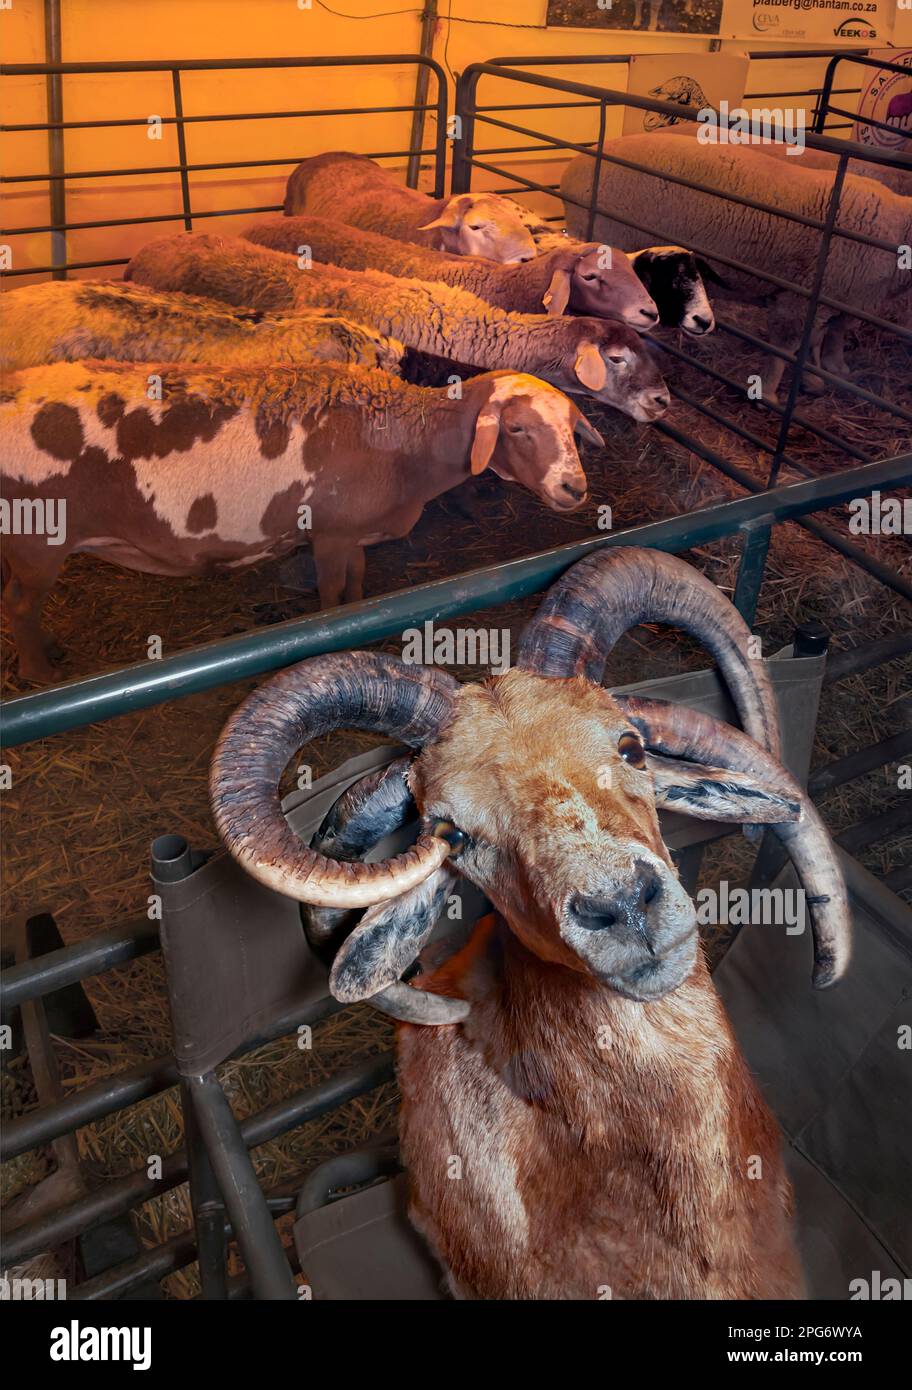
{"points": [[387, 939], [452, 215], [557, 296], [715, 793], [590, 367]]}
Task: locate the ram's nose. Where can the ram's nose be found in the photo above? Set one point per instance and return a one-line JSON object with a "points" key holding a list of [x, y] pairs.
{"points": [[570, 492], [699, 323], [623, 908], [644, 319]]}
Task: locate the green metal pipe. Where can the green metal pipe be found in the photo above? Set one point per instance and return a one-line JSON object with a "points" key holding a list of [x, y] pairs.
{"points": [[148, 683]]}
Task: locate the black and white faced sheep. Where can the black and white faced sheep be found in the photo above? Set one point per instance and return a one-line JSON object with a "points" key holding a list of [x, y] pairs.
{"points": [[672, 275], [873, 279], [352, 188]]}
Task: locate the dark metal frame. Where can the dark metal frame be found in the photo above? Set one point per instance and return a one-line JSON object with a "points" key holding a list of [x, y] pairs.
{"points": [[57, 177]]}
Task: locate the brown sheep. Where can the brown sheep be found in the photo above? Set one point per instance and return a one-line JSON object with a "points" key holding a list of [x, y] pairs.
{"points": [[597, 357], [585, 278], [352, 188]]}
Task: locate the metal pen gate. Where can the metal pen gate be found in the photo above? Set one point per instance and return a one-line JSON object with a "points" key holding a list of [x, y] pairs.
{"points": [[57, 176], [77, 703]]}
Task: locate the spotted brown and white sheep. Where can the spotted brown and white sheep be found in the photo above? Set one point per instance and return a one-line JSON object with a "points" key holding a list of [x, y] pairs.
{"points": [[224, 467]]}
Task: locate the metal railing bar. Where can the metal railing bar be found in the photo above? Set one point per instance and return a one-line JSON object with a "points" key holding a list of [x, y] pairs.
{"points": [[807, 331], [138, 221], [223, 116], [90, 1103], [880, 827], [111, 693], [854, 661], [852, 116], [218, 64], [826, 435], [33, 978], [844, 383], [119, 1195], [860, 763], [884, 573], [179, 168], [125, 1088], [524, 149], [536, 106], [475, 71]]}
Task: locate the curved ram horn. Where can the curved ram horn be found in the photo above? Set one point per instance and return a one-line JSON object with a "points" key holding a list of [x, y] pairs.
{"points": [[677, 732], [365, 813], [599, 598], [364, 690]]}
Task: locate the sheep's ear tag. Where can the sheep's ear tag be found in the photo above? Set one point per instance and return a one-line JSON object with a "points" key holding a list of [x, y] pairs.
{"points": [[590, 368], [486, 432], [557, 295]]}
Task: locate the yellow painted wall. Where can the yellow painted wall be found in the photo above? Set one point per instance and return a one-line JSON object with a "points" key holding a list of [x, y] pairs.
{"points": [[112, 30]]}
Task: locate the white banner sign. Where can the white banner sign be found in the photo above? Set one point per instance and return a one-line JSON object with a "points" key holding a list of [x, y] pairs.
{"points": [[857, 23]]}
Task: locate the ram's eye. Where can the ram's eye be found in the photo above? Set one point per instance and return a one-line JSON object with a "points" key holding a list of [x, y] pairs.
{"points": [[590, 277], [455, 838], [515, 429], [631, 750], [622, 361]]}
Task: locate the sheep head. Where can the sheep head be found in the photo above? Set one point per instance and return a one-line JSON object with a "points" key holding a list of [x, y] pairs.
{"points": [[481, 224], [596, 280], [524, 432], [537, 785]]}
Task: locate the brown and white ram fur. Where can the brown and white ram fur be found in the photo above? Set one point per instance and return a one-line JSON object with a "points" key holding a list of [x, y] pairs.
{"points": [[577, 1121], [352, 188], [596, 357], [231, 466]]}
